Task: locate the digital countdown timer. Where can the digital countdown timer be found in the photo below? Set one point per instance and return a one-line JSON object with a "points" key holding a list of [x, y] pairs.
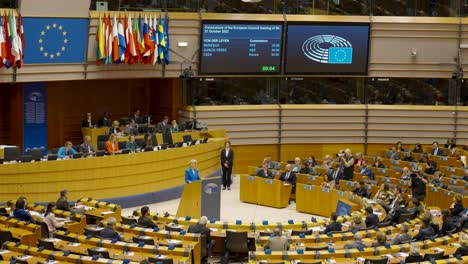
{"points": [[240, 47]]}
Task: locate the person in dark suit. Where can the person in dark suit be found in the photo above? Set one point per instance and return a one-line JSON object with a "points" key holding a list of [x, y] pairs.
{"points": [[371, 219], [105, 120], [457, 206], [87, 147], [289, 176], [414, 254], [200, 228], [395, 213], [88, 122], [425, 231], [227, 160], [115, 129], [108, 232], [366, 170], [403, 237], [447, 223], [136, 116], [361, 190], [356, 243], [144, 219], [334, 225], [436, 150], [20, 212], [431, 167], [265, 172], [62, 202], [163, 127], [191, 173], [463, 249]]}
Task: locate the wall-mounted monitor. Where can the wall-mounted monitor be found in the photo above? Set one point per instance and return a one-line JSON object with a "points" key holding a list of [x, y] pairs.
{"points": [[240, 47], [327, 48]]}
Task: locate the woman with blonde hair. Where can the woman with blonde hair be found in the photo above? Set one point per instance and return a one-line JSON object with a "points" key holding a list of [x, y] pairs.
{"points": [[414, 254], [357, 224], [112, 147]]}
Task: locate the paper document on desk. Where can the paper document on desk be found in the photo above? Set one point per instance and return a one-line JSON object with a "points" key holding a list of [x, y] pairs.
{"points": [[317, 228], [74, 244], [401, 254], [388, 256], [34, 213], [106, 212], [173, 241], [3, 251], [129, 253]]}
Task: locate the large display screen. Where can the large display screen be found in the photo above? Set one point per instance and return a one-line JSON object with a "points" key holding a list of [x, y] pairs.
{"points": [[331, 48], [240, 47]]}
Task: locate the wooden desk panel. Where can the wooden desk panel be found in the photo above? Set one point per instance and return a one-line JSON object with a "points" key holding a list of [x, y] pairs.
{"points": [[107, 177]]}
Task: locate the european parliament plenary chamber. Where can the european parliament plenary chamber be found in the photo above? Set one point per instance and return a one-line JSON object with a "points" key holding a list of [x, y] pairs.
{"points": [[348, 122]]}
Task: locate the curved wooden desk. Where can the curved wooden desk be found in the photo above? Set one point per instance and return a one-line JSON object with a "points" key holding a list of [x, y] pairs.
{"points": [[109, 176]]}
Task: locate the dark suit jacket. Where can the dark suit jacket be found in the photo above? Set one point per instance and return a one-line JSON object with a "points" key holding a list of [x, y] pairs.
{"points": [[291, 179], [199, 229], [85, 123], [105, 122], [362, 192], [85, 148], [457, 209], [146, 222], [463, 251], [397, 212], [334, 226], [114, 131], [163, 128], [109, 233], [413, 259], [439, 152], [261, 173], [371, 220], [62, 204], [229, 159], [424, 233]]}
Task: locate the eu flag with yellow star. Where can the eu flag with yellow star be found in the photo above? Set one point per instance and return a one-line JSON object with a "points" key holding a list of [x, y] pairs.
{"points": [[55, 40]]}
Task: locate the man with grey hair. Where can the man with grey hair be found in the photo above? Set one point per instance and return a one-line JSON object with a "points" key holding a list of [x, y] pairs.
{"points": [[200, 228], [109, 232], [277, 242], [357, 243], [289, 176], [403, 237]]}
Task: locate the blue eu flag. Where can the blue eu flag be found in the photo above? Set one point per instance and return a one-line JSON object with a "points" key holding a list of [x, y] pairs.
{"points": [[340, 55], [55, 40]]}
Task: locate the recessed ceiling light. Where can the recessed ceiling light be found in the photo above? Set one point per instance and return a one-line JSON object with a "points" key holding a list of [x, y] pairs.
{"points": [[251, 1]]}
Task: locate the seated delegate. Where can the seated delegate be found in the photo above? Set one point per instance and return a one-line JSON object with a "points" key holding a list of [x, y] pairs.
{"points": [[20, 211], [191, 173], [66, 150], [109, 231], [112, 146], [144, 220], [277, 242], [265, 172]]}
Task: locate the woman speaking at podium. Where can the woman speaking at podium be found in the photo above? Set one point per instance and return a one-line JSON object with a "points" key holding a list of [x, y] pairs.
{"points": [[191, 173]]}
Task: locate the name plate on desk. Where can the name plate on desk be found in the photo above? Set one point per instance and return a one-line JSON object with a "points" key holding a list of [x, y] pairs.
{"points": [[340, 193], [382, 170], [268, 181], [326, 190], [251, 178], [413, 164], [403, 182], [311, 178], [386, 180], [308, 187], [452, 181], [443, 158], [395, 162], [448, 193], [450, 169], [349, 183], [434, 189]]}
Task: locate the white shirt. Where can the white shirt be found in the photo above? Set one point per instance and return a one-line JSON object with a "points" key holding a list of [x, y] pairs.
{"points": [[227, 152]]}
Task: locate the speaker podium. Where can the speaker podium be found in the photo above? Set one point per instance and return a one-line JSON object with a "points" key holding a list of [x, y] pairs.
{"points": [[202, 197]]}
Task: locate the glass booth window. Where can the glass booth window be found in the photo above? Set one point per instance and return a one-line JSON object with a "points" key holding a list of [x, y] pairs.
{"points": [[322, 91], [232, 91], [406, 91]]}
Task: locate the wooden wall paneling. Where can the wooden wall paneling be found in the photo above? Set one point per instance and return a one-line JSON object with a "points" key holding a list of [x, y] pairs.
{"points": [[11, 114], [252, 155]]}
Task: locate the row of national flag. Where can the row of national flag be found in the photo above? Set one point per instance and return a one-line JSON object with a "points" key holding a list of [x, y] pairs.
{"points": [[11, 41], [137, 40]]}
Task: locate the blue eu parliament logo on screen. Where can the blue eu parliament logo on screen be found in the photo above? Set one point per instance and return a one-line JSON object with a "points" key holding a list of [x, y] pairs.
{"points": [[328, 49]]}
